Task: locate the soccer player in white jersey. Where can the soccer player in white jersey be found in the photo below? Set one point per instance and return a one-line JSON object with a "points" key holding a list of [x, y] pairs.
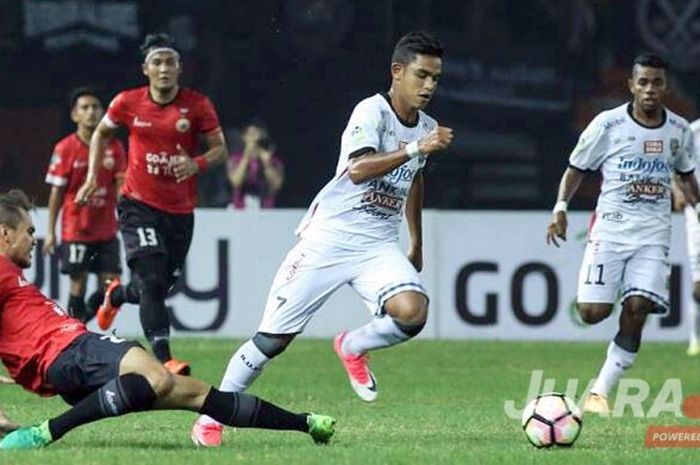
{"points": [[692, 235], [637, 147], [350, 233]]}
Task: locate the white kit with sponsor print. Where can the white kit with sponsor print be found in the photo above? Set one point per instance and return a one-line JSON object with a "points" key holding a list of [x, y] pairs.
{"points": [[367, 214], [637, 164]]}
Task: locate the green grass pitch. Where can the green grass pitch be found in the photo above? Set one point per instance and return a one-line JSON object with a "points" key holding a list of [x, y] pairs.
{"points": [[439, 403]]}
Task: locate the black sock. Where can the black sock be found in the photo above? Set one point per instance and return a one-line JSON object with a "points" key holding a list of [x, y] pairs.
{"points": [[76, 307], [125, 394], [630, 343], [246, 411], [93, 303], [129, 293], [160, 344]]}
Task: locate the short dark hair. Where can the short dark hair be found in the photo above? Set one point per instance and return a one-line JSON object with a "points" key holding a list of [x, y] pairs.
{"points": [[649, 60], [82, 92], [12, 204], [157, 40], [416, 43]]}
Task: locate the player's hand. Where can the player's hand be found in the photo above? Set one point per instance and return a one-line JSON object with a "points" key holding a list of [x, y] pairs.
{"points": [[86, 190], [49, 244], [438, 139], [6, 380], [185, 167], [6, 425], [265, 156], [415, 256], [557, 228]]}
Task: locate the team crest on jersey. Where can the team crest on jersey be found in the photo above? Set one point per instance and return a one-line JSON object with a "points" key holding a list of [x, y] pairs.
{"points": [[108, 161], [675, 145], [653, 146], [183, 124]]}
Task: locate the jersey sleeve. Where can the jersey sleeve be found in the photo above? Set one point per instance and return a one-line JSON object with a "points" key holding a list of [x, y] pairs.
{"points": [[59, 167], [208, 118], [686, 159], [117, 112], [591, 149], [362, 132]]}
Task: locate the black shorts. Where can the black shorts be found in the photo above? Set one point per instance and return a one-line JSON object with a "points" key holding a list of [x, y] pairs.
{"points": [[148, 231], [91, 257], [86, 365]]}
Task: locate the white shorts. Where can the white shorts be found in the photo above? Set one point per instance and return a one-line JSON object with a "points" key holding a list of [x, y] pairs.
{"points": [[692, 237], [609, 268], [312, 271]]}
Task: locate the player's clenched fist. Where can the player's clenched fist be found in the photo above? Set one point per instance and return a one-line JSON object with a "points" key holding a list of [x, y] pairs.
{"points": [[438, 139], [557, 228]]}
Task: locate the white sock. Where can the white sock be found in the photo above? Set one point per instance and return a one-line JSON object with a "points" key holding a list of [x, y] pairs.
{"points": [[245, 365], [616, 363], [694, 322], [378, 333]]}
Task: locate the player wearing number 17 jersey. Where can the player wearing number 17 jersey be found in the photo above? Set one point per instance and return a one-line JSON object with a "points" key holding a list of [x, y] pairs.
{"points": [[156, 217], [637, 147], [350, 233], [89, 241]]}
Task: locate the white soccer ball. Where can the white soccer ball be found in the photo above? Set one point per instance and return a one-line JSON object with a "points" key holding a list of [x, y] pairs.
{"points": [[552, 419]]}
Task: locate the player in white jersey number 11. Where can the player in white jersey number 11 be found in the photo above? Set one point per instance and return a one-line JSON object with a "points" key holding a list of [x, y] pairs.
{"points": [[350, 233], [639, 147]]}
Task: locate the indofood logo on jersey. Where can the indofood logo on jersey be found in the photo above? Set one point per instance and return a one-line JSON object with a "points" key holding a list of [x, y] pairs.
{"points": [[642, 176]]}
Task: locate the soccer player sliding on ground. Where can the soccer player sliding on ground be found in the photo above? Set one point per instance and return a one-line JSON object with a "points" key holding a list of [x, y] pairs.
{"points": [[637, 147], [350, 233], [48, 352]]}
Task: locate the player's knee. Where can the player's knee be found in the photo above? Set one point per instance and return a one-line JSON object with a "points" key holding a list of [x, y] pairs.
{"points": [[162, 382], [271, 345], [154, 285], [594, 313], [638, 307], [410, 308]]}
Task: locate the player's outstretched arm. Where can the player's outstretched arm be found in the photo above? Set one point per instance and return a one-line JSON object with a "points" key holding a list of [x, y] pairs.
{"points": [[6, 425], [414, 208], [55, 202], [570, 181], [688, 185], [100, 137], [372, 165]]}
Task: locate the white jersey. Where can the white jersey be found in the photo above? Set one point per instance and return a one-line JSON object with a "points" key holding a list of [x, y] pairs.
{"points": [[358, 216], [695, 128], [634, 206]]}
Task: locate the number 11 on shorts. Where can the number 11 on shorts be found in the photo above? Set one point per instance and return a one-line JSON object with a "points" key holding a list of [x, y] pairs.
{"points": [[597, 270]]}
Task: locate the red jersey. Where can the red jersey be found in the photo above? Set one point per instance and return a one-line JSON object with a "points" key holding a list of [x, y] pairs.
{"points": [[97, 221], [34, 330], [155, 131]]}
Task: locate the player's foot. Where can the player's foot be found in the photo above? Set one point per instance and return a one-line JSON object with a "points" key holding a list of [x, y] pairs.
{"points": [[361, 377], [206, 434], [32, 437], [596, 403], [177, 367], [693, 348], [321, 428], [106, 312]]}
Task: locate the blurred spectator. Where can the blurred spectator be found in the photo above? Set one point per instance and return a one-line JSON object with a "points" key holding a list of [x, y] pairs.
{"points": [[256, 173]]}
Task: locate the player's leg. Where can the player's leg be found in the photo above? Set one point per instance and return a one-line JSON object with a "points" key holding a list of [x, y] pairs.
{"points": [[390, 287], [301, 285], [140, 383], [694, 339], [599, 280], [76, 296], [645, 291], [74, 259]]}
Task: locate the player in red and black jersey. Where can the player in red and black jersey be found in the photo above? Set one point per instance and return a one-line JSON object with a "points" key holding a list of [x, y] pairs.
{"points": [[164, 122], [89, 241], [48, 352]]}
